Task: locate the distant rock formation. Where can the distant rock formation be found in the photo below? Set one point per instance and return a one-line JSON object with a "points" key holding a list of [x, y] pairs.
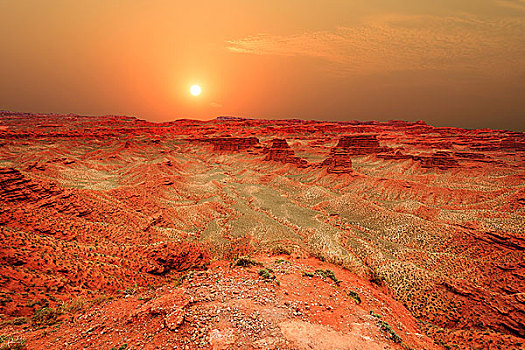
{"points": [[229, 118], [516, 143], [508, 144], [441, 160], [338, 163], [358, 144], [232, 144], [479, 157], [280, 151]]}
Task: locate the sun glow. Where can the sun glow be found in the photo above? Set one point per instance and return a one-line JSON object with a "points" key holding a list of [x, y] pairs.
{"points": [[195, 90]]}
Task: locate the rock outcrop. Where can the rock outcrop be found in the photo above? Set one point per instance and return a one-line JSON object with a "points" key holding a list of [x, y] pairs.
{"points": [[440, 160], [358, 144], [15, 187], [338, 163], [280, 151], [233, 144]]}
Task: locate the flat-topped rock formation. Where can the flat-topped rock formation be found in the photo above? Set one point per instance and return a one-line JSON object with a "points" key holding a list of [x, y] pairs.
{"points": [[339, 161], [359, 144], [280, 151]]}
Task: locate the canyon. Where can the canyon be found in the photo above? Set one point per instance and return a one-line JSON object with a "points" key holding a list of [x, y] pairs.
{"points": [[215, 234]]}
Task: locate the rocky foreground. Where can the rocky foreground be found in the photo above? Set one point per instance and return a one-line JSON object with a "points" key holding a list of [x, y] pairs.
{"points": [[105, 219], [226, 307]]}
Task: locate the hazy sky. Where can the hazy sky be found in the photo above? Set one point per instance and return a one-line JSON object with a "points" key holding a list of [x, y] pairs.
{"points": [[448, 62]]}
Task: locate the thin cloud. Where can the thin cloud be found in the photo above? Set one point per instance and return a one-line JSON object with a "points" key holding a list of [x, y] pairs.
{"points": [[513, 4], [397, 43]]}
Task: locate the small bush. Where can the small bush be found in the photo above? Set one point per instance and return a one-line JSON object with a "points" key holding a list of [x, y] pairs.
{"points": [[322, 273], [355, 296], [246, 262], [376, 278], [8, 342], [375, 315], [45, 317], [121, 347], [266, 274], [385, 327], [282, 261], [327, 274], [130, 291], [72, 305]]}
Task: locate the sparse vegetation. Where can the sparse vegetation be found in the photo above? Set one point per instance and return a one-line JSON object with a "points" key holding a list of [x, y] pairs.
{"points": [[282, 261], [45, 317], [322, 273], [327, 274], [73, 305], [8, 342], [18, 321], [281, 249], [246, 262], [120, 347], [266, 274], [385, 327], [355, 296]]}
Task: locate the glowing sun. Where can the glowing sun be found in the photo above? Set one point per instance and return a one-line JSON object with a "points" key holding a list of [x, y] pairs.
{"points": [[195, 90]]}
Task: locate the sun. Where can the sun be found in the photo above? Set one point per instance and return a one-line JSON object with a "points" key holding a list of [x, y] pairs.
{"points": [[195, 90]]}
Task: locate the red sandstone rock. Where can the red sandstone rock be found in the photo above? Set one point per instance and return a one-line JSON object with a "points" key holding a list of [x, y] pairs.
{"points": [[358, 144], [439, 160], [233, 144], [338, 163], [280, 151]]}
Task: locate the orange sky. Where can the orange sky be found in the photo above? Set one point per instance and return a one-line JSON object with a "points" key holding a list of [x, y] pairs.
{"points": [[448, 62]]}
